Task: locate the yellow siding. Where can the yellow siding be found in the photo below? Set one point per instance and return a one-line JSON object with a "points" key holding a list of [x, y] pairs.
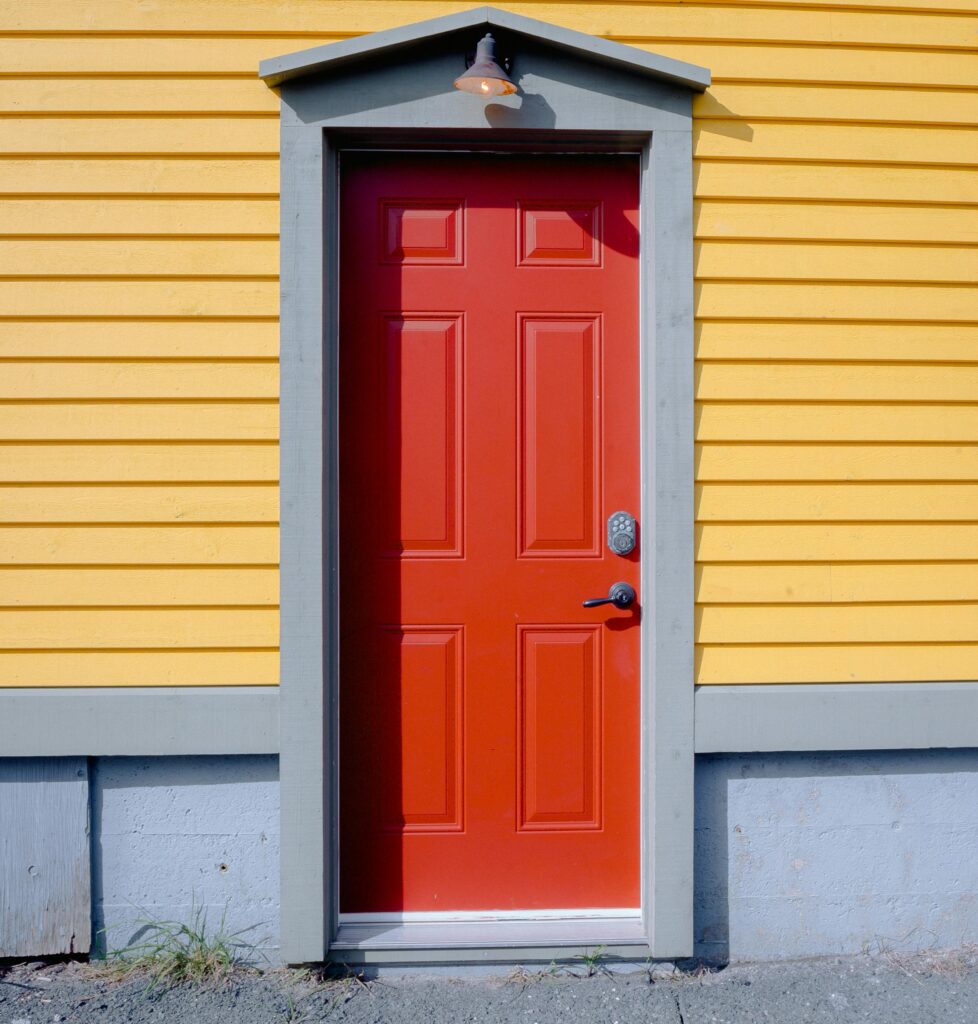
{"points": [[837, 332]]}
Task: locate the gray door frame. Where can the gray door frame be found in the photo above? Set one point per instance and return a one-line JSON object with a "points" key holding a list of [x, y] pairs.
{"points": [[323, 114]]}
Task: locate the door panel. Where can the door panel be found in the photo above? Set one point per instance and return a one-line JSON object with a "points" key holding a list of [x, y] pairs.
{"points": [[489, 425]]}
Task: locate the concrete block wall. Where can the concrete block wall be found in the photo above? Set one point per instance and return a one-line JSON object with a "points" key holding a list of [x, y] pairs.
{"points": [[816, 854], [796, 854], [175, 834]]}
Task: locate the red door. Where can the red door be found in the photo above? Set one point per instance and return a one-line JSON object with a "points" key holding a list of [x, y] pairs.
{"points": [[489, 424]]}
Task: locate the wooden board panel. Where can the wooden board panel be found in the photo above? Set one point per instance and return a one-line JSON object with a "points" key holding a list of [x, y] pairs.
{"points": [[728, 59], [114, 257], [176, 503], [849, 143], [251, 96], [919, 343], [139, 668], [179, 96], [127, 55], [836, 542], [184, 136], [791, 63], [45, 861], [810, 502], [149, 421], [793, 582], [757, 101], [229, 299], [806, 623], [138, 545], [130, 379], [271, 15], [139, 217], [836, 462], [118, 588], [97, 176], [145, 339], [834, 222], [114, 463], [836, 663], [836, 382], [88, 629], [730, 179], [845, 130], [843, 422], [851, 301], [812, 263]]}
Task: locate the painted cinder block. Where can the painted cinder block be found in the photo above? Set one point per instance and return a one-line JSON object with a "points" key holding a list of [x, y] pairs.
{"points": [[819, 854], [174, 834]]}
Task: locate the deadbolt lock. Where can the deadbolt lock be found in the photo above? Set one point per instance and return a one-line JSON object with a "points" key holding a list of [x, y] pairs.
{"points": [[621, 533]]}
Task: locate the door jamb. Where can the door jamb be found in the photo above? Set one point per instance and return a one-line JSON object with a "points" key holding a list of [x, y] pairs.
{"points": [[310, 524]]}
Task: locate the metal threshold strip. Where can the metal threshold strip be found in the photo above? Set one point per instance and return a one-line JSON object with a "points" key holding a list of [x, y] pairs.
{"points": [[503, 931]]}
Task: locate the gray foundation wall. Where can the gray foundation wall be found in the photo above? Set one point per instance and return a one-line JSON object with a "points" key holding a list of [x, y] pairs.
{"points": [[92, 850], [796, 854], [816, 854], [178, 837]]}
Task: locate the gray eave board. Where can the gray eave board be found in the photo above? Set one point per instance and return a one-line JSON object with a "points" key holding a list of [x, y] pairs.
{"points": [[333, 56]]}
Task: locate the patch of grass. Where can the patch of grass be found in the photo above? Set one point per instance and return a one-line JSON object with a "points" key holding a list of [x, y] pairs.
{"points": [[176, 953], [592, 961], [523, 977]]}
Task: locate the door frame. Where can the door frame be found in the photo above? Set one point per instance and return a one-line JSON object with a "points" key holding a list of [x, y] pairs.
{"points": [[655, 120]]}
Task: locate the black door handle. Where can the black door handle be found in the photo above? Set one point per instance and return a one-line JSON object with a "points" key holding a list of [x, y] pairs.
{"points": [[621, 595]]}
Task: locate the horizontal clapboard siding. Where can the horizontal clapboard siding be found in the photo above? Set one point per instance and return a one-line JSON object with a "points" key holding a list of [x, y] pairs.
{"points": [[836, 226]]}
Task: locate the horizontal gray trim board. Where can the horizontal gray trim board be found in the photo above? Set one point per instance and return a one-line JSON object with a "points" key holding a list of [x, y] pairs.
{"points": [[458, 937], [427, 956], [334, 56], [836, 716], [140, 721]]}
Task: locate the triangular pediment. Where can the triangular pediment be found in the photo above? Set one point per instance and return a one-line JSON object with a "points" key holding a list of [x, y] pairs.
{"points": [[346, 55]]}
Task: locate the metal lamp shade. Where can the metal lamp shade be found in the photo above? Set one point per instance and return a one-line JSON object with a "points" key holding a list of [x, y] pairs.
{"points": [[485, 77]]}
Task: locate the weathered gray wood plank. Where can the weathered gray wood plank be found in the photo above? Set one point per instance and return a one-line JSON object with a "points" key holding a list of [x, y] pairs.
{"points": [[45, 864]]}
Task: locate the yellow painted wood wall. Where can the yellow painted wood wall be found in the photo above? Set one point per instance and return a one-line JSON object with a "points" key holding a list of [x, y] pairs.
{"points": [[837, 335]]}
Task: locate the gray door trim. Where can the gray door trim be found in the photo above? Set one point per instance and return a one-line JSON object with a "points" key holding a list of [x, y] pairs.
{"points": [[319, 116]]}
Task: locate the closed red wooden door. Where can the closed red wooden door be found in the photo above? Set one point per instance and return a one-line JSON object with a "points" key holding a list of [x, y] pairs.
{"points": [[489, 425]]}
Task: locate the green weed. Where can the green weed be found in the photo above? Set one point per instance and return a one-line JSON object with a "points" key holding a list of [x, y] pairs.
{"points": [[592, 961], [175, 953]]}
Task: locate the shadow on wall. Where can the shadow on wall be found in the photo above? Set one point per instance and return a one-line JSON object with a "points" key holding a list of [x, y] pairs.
{"points": [[821, 854], [171, 835]]}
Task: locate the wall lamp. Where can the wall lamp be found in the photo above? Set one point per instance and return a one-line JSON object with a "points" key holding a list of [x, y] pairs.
{"points": [[484, 76]]}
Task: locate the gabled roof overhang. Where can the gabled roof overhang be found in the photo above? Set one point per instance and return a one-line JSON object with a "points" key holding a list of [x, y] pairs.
{"points": [[334, 57]]}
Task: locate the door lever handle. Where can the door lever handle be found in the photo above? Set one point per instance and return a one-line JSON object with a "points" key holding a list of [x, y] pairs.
{"points": [[621, 595]]}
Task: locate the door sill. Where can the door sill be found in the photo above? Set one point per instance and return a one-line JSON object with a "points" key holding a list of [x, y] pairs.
{"points": [[504, 931]]}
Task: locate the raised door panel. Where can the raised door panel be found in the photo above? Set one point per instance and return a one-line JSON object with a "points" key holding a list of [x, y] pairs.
{"points": [[559, 707], [422, 499], [421, 231], [421, 737], [559, 445]]}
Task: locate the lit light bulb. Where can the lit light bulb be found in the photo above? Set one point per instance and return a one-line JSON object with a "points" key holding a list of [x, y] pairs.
{"points": [[485, 77]]}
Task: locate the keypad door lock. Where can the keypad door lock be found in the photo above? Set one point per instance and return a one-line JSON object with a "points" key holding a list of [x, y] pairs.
{"points": [[621, 533]]}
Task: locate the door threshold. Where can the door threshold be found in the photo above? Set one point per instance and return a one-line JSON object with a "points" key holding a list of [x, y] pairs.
{"points": [[539, 933]]}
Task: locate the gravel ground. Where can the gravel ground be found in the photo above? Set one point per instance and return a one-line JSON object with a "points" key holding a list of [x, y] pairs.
{"points": [[887, 989]]}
